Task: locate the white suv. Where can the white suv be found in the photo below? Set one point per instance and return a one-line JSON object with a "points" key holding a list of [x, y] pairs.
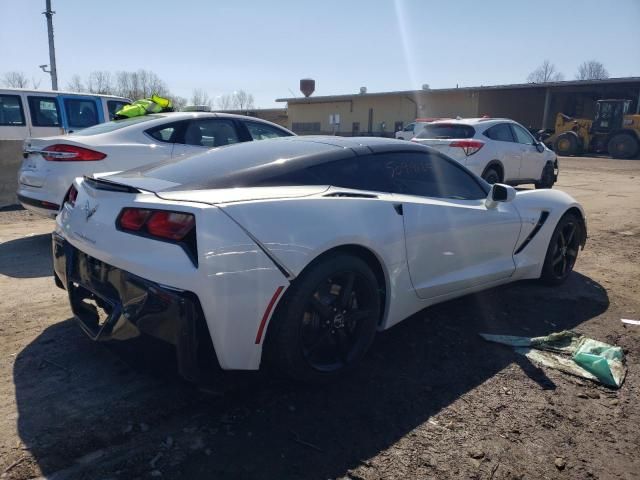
{"points": [[497, 149]]}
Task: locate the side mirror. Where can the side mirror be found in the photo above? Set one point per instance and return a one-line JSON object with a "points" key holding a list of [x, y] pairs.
{"points": [[540, 147], [500, 193]]}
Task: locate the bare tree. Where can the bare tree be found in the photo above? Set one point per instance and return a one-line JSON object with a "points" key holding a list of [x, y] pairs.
{"points": [[100, 82], [592, 70], [140, 84], [15, 80], [75, 84], [242, 100], [546, 72], [200, 97], [35, 83], [224, 102], [178, 102]]}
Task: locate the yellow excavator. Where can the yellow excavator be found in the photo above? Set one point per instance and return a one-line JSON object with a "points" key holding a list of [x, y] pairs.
{"points": [[613, 130]]}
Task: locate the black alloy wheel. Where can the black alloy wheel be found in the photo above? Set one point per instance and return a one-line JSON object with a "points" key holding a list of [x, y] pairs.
{"points": [[563, 250], [326, 321], [330, 331]]}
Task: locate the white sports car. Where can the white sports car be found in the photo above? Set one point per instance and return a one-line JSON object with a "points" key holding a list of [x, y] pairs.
{"points": [[293, 252]]}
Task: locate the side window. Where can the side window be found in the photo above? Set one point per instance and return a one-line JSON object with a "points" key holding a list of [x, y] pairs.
{"points": [[210, 133], [81, 113], [113, 106], [425, 175], [165, 133], [11, 113], [409, 128], [522, 136], [262, 131], [44, 111], [500, 132]]}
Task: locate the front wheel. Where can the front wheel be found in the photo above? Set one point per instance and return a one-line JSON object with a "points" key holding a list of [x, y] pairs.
{"points": [[548, 177], [327, 320], [562, 251], [623, 146]]}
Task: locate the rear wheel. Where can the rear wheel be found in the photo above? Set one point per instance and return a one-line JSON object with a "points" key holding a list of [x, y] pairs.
{"points": [[562, 251], [623, 145], [327, 320], [491, 175], [566, 144]]}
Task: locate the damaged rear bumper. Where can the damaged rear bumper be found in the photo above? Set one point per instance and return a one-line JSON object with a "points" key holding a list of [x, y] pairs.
{"points": [[112, 304]]}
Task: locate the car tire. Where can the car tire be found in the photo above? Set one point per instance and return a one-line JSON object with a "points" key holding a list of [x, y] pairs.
{"points": [[491, 175], [562, 251], [566, 144], [547, 179], [321, 330], [623, 146]]}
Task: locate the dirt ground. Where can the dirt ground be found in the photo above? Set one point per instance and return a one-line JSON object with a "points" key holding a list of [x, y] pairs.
{"points": [[432, 399]]}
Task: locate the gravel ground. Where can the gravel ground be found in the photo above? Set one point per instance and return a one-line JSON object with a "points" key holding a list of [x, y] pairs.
{"points": [[432, 400]]}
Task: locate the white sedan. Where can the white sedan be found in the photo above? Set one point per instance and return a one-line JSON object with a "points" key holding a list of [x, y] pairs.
{"points": [[293, 252], [51, 163]]}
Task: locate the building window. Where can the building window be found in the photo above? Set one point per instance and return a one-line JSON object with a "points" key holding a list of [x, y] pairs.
{"points": [[305, 127], [355, 129]]}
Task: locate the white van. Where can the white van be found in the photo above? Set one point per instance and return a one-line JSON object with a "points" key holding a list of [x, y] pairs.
{"points": [[40, 113]]}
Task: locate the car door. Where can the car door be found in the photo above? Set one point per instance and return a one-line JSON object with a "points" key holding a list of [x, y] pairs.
{"points": [[506, 149], [532, 160], [453, 240], [202, 134]]}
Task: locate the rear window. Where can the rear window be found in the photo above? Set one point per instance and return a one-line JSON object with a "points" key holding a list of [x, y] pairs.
{"points": [[114, 125], [11, 113], [447, 130]]}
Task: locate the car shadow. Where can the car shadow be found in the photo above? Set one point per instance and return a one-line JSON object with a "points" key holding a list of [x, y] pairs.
{"points": [[75, 396], [27, 257]]}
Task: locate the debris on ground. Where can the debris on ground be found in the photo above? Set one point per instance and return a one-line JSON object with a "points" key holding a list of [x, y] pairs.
{"points": [[630, 321], [571, 353]]}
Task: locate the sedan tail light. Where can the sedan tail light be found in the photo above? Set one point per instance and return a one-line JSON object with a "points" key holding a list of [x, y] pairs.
{"points": [[469, 147], [73, 194], [162, 224], [70, 153]]}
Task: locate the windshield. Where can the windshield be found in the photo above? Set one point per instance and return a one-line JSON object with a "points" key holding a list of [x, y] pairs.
{"points": [[115, 125], [447, 130]]}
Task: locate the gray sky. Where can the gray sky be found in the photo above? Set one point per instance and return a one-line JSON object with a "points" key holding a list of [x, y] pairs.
{"points": [[265, 47]]}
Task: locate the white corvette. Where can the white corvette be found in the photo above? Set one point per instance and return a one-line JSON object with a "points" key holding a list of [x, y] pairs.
{"points": [[293, 252]]}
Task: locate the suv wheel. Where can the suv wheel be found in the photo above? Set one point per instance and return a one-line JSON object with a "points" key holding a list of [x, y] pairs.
{"points": [[548, 177], [491, 175]]}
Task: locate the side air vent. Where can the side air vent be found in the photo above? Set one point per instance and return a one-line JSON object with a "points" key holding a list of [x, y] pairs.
{"points": [[534, 232], [350, 195], [101, 184]]}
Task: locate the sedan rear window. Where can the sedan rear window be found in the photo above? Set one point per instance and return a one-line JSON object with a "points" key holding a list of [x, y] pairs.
{"points": [[115, 125], [447, 130]]}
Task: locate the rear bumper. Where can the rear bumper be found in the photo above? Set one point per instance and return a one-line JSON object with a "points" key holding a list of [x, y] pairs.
{"points": [[112, 304], [41, 207]]}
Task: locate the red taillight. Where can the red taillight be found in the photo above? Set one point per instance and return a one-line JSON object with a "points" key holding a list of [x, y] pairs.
{"points": [[468, 146], [171, 225], [157, 223], [73, 194], [133, 218], [71, 153]]}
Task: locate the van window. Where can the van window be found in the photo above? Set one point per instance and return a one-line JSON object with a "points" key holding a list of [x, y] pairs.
{"points": [[11, 113], [113, 106], [44, 112], [81, 113]]}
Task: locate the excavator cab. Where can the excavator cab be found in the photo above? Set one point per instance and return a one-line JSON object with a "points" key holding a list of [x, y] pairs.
{"points": [[609, 115]]}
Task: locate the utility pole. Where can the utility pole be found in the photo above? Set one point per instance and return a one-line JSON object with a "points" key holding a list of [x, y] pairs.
{"points": [[52, 49]]}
